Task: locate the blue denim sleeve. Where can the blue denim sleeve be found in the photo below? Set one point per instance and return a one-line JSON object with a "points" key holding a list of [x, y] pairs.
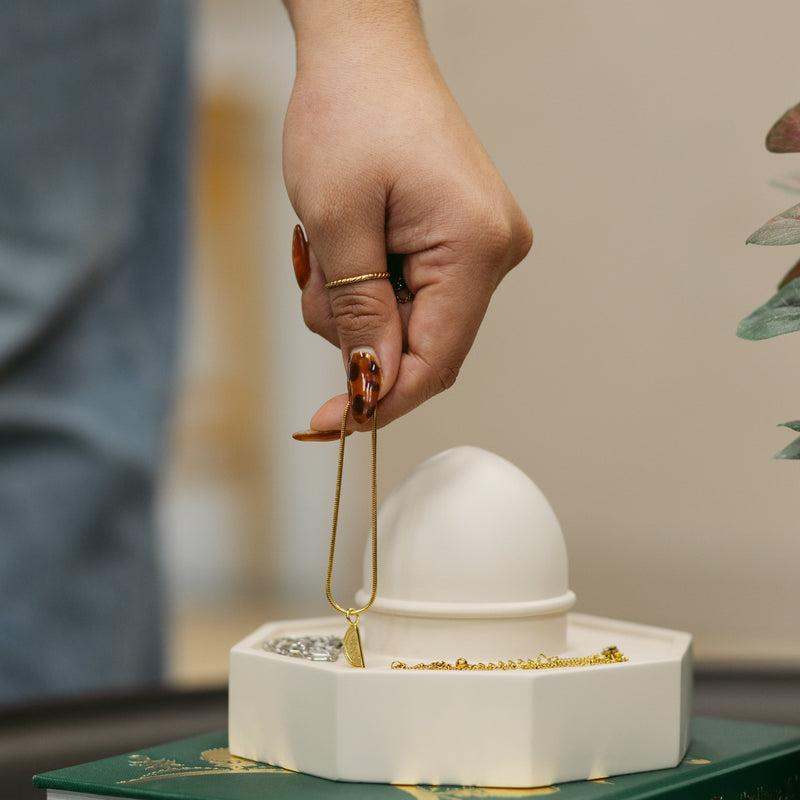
{"points": [[93, 154]]}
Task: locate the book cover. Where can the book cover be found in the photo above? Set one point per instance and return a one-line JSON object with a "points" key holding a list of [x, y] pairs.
{"points": [[727, 760]]}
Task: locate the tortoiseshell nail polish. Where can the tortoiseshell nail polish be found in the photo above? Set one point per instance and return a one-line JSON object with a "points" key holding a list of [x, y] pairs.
{"points": [[364, 384], [318, 436], [300, 259]]}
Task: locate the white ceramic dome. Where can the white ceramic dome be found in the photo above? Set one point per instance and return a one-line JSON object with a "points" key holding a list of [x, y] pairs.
{"points": [[469, 536]]}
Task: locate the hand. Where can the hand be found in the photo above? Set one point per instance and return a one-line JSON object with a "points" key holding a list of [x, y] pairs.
{"points": [[378, 159]]}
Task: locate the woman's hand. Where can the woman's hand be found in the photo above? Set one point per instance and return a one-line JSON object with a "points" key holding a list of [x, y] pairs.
{"points": [[378, 159]]}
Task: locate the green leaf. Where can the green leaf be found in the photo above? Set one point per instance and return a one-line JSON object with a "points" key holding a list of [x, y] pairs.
{"points": [[780, 230], [789, 183], [793, 425], [780, 314], [790, 451], [793, 273], [784, 136]]}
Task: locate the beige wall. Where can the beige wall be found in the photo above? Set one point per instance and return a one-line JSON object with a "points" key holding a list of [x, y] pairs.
{"points": [[607, 367], [632, 134]]}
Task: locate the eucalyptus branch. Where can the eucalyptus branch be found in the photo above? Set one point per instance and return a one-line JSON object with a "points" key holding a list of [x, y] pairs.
{"points": [[781, 313]]}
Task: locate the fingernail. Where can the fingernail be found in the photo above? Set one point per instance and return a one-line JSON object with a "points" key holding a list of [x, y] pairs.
{"points": [[300, 260], [318, 436], [364, 384]]}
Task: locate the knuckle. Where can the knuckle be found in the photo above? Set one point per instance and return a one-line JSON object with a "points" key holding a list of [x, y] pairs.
{"points": [[355, 312], [317, 200], [498, 238], [443, 378], [507, 237], [329, 212], [525, 240], [322, 214]]}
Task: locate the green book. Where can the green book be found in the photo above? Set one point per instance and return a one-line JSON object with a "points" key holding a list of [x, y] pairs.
{"points": [[727, 760]]}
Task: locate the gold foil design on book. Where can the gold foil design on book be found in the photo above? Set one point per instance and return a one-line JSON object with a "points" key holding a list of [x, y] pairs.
{"points": [[218, 761]]}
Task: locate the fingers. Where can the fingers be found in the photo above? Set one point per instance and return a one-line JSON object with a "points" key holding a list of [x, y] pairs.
{"points": [[453, 286], [429, 337], [316, 306], [441, 330], [348, 300], [443, 320], [443, 325]]}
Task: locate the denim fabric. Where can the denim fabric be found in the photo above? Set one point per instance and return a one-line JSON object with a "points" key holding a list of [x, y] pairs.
{"points": [[93, 130]]}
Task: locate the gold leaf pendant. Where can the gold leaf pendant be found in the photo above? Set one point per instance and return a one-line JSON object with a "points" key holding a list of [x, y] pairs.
{"points": [[351, 645]]}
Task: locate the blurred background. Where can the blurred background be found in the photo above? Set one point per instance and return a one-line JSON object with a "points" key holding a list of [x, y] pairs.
{"points": [[631, 132]]}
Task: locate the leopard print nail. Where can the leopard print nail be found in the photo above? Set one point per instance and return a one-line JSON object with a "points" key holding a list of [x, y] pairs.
{"points": [[364, 384]]}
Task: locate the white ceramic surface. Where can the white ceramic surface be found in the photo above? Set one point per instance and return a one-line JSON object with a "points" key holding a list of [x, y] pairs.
{"points": [[471, 561], [505, 729]]}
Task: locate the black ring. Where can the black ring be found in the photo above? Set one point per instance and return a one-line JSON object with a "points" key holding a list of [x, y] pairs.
{"points": [[394, 265]]}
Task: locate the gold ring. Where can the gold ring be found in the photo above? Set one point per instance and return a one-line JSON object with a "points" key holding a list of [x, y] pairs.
{"points": [[370, 276]]}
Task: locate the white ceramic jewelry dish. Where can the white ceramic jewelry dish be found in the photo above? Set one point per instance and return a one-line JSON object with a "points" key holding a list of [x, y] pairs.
{"points": [[472, 565]]}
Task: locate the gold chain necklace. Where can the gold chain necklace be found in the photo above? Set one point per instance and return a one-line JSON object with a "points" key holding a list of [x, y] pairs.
{"points": [[608, 656], [351, 641]]}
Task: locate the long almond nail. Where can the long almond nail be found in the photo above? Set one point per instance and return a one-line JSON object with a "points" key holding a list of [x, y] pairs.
{"points": [[364, 384], [300, 259], [318, 436]]}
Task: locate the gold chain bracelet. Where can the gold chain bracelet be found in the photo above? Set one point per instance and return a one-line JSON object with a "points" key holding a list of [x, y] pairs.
{"points": [[610, 655]]}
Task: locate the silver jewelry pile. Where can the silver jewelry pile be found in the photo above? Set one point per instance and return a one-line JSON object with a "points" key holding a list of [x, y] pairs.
{"points": [[311, 648]]}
